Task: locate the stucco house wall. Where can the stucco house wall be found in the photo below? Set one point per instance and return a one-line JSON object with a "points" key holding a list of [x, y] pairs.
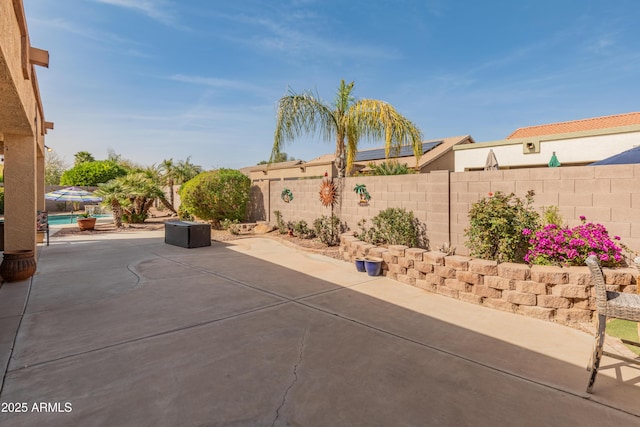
{"points": [[577, 149], [21, 136]]}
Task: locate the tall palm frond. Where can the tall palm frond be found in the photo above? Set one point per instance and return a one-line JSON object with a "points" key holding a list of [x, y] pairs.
{"points": [[301, 114], [113, 194], [348, 121]]}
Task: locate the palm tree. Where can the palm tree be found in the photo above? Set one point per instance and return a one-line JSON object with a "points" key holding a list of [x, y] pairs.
{"points": [[168, 177], [130, 197], [347, 121], [83, 157], [141, 192], [113, 195], [184, 170]]}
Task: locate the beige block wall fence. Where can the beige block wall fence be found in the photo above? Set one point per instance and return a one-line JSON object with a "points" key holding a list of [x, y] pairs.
{"points": [[609, 195]]}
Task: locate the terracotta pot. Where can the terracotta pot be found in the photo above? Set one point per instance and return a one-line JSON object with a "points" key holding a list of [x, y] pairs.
{"points": [[17, 265], [86, 223]]}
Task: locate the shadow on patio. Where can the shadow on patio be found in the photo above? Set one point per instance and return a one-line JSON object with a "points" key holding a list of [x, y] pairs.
{"points": [[131, 331]]}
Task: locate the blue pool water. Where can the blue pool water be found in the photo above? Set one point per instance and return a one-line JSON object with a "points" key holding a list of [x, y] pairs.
{"points": [[68, 219]]}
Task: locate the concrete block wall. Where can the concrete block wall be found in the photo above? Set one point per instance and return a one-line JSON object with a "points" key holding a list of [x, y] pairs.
{"points": [[305, 205], [557, 294], [609, 195]]}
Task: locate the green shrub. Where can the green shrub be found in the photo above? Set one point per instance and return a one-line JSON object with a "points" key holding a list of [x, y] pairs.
{"points": [[134, 217], [551, 215], [394, 226], [302, 230], [495, 227], [282, 226], [2, 201], [183, 214], [232, 226], [92, 173], [217, 195], [391, 167], [328, 229]]}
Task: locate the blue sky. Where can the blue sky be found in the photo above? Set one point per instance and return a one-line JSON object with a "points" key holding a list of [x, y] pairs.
{"points": [[159, 79]]}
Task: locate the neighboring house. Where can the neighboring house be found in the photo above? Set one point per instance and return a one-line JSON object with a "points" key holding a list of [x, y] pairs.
{"points": [[437, 154], [575, 143], [296, 169]]}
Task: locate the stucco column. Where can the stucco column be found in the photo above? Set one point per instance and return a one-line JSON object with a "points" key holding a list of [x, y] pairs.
{"points": [[19, 192], [40, 203]]}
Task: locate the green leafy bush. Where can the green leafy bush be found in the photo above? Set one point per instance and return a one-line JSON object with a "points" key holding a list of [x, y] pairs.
{"points": [[495, 227], [217, 195], [183, 214], [92, 173], [232, 226], [328, 229], [302, 230], [394, 226], [2, 201], [282, 226], [392, 167], [551, 215]]}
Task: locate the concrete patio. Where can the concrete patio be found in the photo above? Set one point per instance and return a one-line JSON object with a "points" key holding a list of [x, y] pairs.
{"points": [[123, 330]]}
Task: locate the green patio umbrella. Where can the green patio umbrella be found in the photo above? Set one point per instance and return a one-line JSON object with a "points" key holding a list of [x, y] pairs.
{"points": [[554, 162]]}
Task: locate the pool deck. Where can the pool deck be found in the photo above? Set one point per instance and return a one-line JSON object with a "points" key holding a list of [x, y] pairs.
{"points": [[122, 329]]}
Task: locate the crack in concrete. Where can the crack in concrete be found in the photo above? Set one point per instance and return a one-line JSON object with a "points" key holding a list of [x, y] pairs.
{"points": [[295, 379]]}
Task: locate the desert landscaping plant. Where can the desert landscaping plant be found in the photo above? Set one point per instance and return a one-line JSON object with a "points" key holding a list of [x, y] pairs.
{"points": [[282, 226], [553, 245], [391, 167], [92, 173], [551, 215], [217, 195], [328, 229], [130, 197], [346, 121], [496, 223], [232, 226], [394, 226], [302, 230]]}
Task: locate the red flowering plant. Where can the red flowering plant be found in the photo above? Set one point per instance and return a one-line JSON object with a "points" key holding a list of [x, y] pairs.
{"points": [[554, 245]]}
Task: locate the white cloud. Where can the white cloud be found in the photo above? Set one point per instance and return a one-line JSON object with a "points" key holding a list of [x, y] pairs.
{"points": [[218, 83], [158, 10], [66, 26], [287, 39]]}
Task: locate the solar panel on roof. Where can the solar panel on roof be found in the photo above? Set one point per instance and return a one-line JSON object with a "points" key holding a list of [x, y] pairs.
{"points": [[405, 151]]}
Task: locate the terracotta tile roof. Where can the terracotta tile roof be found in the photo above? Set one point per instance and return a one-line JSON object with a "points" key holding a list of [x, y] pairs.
{"points": [[578, 125]]}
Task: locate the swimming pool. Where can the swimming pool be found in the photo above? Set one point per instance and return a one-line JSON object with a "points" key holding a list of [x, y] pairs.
{"points": [[68, 219]]}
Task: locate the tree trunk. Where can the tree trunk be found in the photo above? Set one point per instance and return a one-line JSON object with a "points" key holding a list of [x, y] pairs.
{"points": [[117, 213], [167, 205]]}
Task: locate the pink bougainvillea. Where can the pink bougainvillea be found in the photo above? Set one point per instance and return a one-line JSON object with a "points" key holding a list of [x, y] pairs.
{"points": [[555, 245]]}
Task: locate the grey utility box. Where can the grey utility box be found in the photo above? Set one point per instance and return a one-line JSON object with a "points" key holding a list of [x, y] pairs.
{"points": [[187, 234]]}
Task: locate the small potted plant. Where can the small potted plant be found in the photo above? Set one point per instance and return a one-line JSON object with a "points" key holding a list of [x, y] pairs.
{"points": [[86, 221]]}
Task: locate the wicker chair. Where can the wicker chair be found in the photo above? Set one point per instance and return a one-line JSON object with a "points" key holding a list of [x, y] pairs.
{"points": [[616, 305]]}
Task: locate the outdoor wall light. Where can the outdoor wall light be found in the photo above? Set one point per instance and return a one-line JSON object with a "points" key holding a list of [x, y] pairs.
{"points": [[49, 149]]}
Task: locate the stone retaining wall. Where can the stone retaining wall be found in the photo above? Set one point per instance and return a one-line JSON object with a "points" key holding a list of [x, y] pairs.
{"points": [[558, 294]]}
